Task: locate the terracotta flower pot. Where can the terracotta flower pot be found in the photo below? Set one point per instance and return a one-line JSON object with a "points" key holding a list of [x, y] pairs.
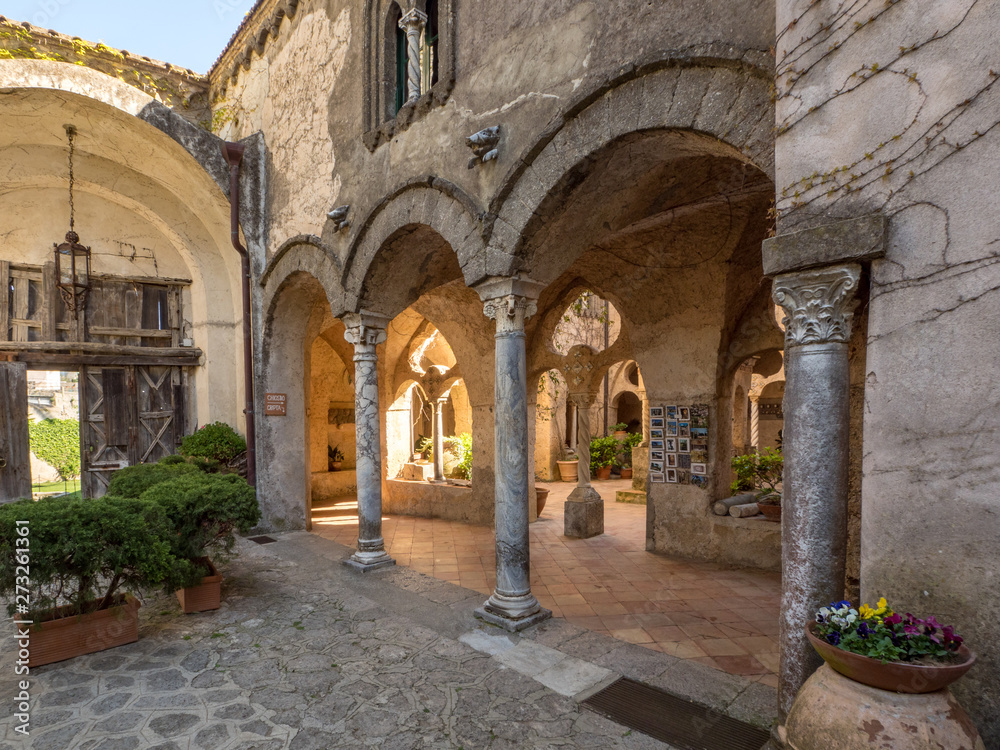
{"points": [[620, 434], [771, 512], [897, 677], [604, 472], [204, 596], [541, 495], [626, 472], [66, 635], [568, 469], [336, 465]]}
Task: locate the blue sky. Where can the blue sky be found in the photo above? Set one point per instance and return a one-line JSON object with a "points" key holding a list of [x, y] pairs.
{"points": [[189, 33]]}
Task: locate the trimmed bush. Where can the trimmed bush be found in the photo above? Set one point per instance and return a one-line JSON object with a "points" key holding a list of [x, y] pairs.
{"points": [[217, 441], [82, 553], [132, 481]]}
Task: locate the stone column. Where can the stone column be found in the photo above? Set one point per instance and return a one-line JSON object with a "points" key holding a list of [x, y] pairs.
{"points": [[755, 422], [413, 23], [512, 606], [583, 516], [366, 331], [571, 434], [645, 419], [818, 306], [437, 405]]}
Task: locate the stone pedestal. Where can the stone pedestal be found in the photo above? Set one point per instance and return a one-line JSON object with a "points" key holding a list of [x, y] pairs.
{"points": [[584, 518], [512, 605], [818, 306], [366, 331]]}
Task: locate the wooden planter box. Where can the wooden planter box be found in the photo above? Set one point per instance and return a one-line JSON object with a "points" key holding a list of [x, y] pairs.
{"points": [[75, 635], [206, 595]]}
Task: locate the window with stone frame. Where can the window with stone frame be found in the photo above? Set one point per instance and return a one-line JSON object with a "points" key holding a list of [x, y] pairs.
{"points": [[409, 63]]}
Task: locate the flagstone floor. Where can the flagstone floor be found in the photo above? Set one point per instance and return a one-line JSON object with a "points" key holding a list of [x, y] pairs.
{"points": [[702, 612]]}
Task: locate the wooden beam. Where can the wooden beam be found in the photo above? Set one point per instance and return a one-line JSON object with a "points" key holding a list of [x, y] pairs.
{"points": [[146, 333], [93, 347], [4, 299], [142, 279], [70, 360]]}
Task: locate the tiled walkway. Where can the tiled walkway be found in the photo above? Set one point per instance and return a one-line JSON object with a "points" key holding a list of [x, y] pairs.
{"points": [[699, 611]]}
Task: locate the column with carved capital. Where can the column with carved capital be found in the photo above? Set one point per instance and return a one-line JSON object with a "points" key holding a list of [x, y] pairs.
{"points": [[818, 306], [413, 23], [366, 331], [583, 515], [512, 606]]}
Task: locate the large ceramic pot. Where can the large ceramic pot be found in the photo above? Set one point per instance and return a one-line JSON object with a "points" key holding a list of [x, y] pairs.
{"points": [[771, 512], [626, 472], [63, 636], [604, 472], [832, 712], [203, 596], [567, 470], [541, 495], [898, 677], [620, 434]]}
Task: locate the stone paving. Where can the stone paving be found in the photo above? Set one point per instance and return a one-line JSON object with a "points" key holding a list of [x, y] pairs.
{"points": [[720, 617], [307, 654]]}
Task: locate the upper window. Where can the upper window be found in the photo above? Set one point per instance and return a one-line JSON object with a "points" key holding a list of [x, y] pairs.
{"points": [[409, 62]]}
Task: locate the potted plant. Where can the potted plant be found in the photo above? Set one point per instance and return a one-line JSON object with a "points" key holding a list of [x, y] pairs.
{"points": [[602, 455], [620, 430], [204, 511], [335, 458], [760, 472], [568, 463], [885, 677], [624, 460], [87, 558]]}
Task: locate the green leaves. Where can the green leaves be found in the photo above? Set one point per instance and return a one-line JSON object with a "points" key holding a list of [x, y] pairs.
{"points": [[757, 471], [602, 452], [57, 443], [217, 441]]}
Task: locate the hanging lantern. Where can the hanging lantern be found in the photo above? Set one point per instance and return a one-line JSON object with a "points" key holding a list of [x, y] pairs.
{"points": [[72, 258]]}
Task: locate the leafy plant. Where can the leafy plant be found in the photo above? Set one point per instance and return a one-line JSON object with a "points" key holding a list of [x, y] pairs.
{"points": [[57, 443], [217, 441], [334, 453], [619, 427], [602, 452], [624, 459], [758, 471], [880, 633], [132, 481], [83, 552], [205, 511], [464, 467]]}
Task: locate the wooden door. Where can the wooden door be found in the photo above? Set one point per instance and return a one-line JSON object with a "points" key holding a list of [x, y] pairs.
{"points": [[15, 453], [129, 415]]}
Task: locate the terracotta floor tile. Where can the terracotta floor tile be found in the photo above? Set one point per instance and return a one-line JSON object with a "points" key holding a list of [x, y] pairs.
{"points": [[758, 644], [608, 608], [577, 610], [744, 665], [666, 633], [701, 630], [681, 649], [632, 635], [619, 622], [721, 647]]}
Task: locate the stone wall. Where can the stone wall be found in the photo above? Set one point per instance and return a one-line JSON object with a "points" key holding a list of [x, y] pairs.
{"points": [[891, 108]]}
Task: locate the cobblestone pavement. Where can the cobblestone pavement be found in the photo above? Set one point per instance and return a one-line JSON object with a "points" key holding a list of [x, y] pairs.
{"points": [[307, 654]]}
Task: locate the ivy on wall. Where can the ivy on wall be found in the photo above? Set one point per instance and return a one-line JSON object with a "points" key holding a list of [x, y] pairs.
{"points": [[57, 443]]}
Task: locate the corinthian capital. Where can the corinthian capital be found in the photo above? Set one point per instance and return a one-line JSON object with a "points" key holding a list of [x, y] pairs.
{"points": [[365, 330], [413, 18], [818, 305], [510, 312]]}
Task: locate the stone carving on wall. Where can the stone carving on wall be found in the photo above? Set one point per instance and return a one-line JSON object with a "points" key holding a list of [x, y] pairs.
{"points": [[484, 145], [339, 217], [819, 305]]}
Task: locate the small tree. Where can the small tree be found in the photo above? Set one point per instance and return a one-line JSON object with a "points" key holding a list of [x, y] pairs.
{"points": [[758, 471], [602, 452]]}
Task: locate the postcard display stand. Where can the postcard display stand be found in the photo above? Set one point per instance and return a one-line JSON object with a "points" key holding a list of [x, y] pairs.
{"points": [[678, 444]]}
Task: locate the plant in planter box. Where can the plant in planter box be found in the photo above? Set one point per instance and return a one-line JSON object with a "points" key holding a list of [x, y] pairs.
{"points": [[602, 455], [85, 557], [206, 510]]}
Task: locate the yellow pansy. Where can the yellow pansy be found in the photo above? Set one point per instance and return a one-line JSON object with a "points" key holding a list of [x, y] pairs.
{"points": [[883, 607], [866, 612]]}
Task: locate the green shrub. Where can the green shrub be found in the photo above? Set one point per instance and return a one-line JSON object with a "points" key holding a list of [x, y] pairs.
{"points": [[132, 481], [205, 511], [57, 443], [217, 441], [602, 452], [757, 471], [624, 459], [81, 553], [464, 467]]}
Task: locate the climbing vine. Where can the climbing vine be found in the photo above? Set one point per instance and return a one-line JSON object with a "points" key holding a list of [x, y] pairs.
{"points": [[57, 443]]}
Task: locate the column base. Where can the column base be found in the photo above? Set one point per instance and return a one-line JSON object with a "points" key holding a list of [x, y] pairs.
{"points": [[583, 518], [512, 613], [366, 561]]}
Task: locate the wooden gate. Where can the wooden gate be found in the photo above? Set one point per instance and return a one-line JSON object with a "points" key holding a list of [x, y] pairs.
{"points": [[129, 415], [15, 461]]}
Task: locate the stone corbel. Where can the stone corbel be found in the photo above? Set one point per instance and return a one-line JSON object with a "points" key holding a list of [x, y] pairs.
{"points": [[484, 145], [339, 217]]}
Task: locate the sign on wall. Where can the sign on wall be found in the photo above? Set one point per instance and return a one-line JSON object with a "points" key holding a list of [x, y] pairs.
{"points": [[275, 404]]}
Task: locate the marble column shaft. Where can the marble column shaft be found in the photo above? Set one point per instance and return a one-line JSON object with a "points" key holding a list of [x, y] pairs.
{"points": [[644, 399], [413, 24], [366, 332], [512, 605], [819, 309], [438, 407], [755, 424]]}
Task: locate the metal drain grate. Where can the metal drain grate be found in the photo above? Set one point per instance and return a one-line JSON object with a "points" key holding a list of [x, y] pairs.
{"points": [[261, 539], [673, 720]]}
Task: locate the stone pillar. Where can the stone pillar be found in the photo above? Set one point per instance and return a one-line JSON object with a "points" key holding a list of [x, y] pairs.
{"points": [[512, 606], [755, 422], [437, 406], [366, 331], [645, 419], [583, 516], [413, 23], [818, 306]]}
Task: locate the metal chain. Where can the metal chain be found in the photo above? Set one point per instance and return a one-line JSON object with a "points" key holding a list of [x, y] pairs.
{"points": [[71, 131]]}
